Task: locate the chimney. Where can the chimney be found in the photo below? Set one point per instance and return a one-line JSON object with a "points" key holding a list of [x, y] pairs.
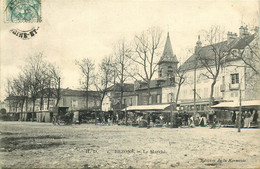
{"points": [[246, 31], [234, 35], [231, 36], [243, 32], [198, 45]]}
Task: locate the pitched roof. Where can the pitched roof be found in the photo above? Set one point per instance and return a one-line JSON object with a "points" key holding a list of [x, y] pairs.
{"points": [[153, 84], [168, 55], [14, 98], [127, 87], [207, 52], [70, 92], [241, 43]]}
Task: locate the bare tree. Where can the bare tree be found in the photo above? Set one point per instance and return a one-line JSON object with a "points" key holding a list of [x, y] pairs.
{"points": [[87, 69], [54, 83], [44, 80], [10, 90], [35, 73], [212, 56], [22, 88], [122, 65], [146, 52], [104, 78], [180, 79]]}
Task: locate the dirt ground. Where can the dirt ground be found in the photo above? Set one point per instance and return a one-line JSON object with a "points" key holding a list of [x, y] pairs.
{"points": [[43, 145]]}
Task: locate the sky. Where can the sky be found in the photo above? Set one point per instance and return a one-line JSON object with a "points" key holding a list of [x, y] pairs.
{"points": [[74, 29]]}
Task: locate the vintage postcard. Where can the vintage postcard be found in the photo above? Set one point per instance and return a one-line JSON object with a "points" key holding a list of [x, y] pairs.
{"points": [[129, 84]]}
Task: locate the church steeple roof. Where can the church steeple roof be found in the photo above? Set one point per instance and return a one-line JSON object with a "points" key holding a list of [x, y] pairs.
{"points": [[168, 55]]}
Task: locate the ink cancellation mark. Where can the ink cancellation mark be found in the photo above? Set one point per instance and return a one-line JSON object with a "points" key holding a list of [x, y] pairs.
{"points": [[25, 35], [17, 11]]}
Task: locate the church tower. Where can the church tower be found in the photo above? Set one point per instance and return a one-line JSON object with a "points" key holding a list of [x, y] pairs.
{"points": [[167, 65]]}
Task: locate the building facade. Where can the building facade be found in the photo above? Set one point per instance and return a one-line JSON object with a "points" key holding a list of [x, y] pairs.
{"points": [[235, 75], [73, 99], [112, 98]]}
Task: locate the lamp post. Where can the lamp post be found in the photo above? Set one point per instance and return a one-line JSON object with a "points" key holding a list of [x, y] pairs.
{"points": [[240, 109]]}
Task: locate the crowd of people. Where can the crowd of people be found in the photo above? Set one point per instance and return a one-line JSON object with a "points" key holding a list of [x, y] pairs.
{"points": [[247, 118], [176, 119]]}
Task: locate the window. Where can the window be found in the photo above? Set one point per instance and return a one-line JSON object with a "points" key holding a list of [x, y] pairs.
{"points": [[124, 101], [170, 71], [172, 80], [235, 78], [131, 101], [150, 99], [170, 97], [74, 104], [158, 98], [223, 79], [154, 98]]}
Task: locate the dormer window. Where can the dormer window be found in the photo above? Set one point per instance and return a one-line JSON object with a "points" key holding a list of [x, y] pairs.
{"points": [[234, 52]]}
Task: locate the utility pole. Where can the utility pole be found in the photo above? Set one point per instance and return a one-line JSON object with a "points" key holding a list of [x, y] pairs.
{"points": [[114, 92], [194, 90], [240, 109], [171, 110]]}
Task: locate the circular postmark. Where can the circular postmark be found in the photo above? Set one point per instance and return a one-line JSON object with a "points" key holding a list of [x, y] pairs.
{"points": [[23, 10]]}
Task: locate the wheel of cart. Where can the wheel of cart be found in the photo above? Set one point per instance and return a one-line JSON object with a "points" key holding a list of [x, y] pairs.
{"points": [[59, 115], [56, 120]]}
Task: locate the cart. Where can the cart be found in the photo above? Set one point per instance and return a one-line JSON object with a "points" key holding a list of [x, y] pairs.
{"points": [[62, 115]]}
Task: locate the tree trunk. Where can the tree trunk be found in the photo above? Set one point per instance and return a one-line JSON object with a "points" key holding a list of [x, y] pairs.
{"points": [[121, 94], [49, 95], [26, 104], [58, 93], [149, 93], [41, 102], [87, 90], [212, 92], [23, 100], [86, 99], [33, 109], [101, 101], [177, 94], [48, 103]]}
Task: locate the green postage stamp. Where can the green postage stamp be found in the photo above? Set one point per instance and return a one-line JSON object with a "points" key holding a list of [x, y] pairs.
{"points": [[22, 11]]}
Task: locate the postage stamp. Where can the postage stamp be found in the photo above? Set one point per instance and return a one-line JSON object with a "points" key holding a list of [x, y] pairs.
{"points": [[22, 11]]}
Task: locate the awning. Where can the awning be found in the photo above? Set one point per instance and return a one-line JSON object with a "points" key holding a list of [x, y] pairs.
{"points": [[147, 107], [235, 105]]}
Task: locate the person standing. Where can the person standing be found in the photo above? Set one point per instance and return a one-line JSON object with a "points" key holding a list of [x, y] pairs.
{"points": [[148, 119], [247, 119]]}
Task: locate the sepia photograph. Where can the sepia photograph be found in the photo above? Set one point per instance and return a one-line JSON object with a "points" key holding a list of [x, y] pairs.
{"points": [[129, 84]]}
